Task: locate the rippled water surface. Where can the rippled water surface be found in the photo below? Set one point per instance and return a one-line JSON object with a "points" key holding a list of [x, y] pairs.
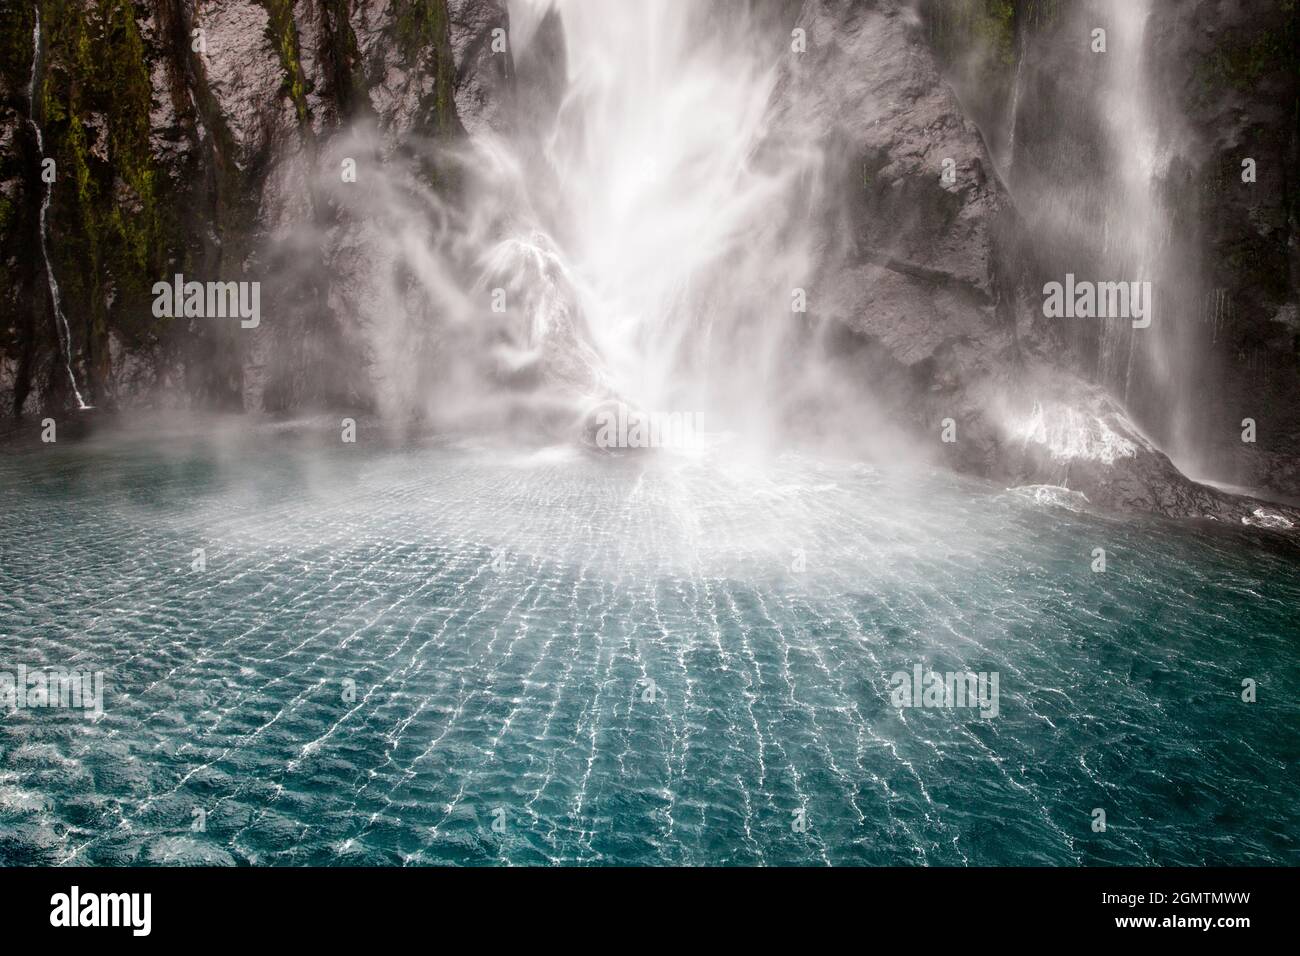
{"points": [[392, 649]]}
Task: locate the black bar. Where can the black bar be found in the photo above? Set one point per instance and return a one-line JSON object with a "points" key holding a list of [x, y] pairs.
{"points": [[662, 908]]}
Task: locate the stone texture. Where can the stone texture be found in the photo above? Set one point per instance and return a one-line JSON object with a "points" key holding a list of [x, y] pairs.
{"points": [[201, 161], [204, 162]]}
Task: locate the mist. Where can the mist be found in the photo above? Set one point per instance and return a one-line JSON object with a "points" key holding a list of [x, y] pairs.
{"points": [[545, 432], [643, 239]]}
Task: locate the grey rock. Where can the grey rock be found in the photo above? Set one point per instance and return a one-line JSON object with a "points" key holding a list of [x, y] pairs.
{"points": [[244, 75], [483, 75]]}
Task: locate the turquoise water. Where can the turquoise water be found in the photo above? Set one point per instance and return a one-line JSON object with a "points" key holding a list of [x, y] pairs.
{"points": [[500, 614]]}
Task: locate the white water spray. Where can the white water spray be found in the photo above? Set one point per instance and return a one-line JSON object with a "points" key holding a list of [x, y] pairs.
{"points": [[1099, 196], [1135, 228], [61, 321], [665, 216], [640, 243], [1151, 368]]}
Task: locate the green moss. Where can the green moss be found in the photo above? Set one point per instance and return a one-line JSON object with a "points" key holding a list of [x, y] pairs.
{"points": [[421, 25], [283, 34], [987, 25], [119, 221], [347, 85], [107, 216], [1243, 65], [16, 23], [996, 27], [1241, 62]]}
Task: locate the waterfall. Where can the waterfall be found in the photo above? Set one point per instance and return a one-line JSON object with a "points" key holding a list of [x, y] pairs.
{"points": [[666, 220], [1090, 174], [61, 321], [1135, 225], [1153, 370], [1009, 163], [636, 237]]}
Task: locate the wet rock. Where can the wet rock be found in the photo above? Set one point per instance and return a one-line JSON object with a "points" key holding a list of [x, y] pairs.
{"points": [[244, 75], [210, 153], [928, 279], [483, 74]]}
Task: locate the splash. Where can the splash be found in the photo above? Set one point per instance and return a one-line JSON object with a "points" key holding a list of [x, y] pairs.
{"points": [[1094, 185], [636, 240], [681, 239]]}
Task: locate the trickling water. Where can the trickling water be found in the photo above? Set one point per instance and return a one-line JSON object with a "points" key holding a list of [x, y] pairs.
{"points": [[1014, 115], [61, 321]]}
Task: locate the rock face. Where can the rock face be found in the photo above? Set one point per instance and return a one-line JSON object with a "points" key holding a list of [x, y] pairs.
{"points": [[483, 72], [1077, 436], [929, 271], [917, 262], [185, 137], [188, 138], [1233, 70], [1206, 85]]}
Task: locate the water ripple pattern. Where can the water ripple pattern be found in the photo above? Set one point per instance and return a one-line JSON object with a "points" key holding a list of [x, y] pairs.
{"points": [[442, 655]]}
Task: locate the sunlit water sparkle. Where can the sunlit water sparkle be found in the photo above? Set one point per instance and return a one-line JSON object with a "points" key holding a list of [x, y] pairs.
{"points": [[500, 612]]}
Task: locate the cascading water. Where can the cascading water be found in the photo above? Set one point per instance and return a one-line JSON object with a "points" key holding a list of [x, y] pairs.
{"points": [[629, 245], [1134, 226], [56, 301], [549, 656], [1089, 173], [1013, 114], [664, 215]]}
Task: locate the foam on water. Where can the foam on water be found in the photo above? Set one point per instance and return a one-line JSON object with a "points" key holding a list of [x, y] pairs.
{"points": [[1053, 495]]}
